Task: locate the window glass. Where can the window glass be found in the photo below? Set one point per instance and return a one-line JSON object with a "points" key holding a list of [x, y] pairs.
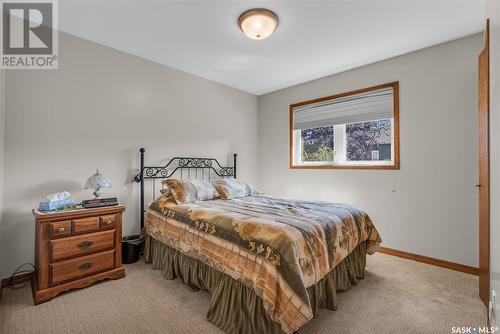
{"points": [[318, 144], [368, 141]]}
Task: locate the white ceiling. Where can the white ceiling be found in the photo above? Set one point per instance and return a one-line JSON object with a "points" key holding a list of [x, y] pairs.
{"points": [[314, 38]]}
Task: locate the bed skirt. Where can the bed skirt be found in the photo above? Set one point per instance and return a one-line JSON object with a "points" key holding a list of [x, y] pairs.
{"points": [[234, 307]]}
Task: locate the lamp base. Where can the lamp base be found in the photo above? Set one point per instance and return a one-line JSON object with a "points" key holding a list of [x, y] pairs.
{"points": [[97, 192]]}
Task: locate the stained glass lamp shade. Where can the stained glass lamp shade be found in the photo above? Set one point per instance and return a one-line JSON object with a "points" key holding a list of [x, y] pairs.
{"points": [[96, 182]]}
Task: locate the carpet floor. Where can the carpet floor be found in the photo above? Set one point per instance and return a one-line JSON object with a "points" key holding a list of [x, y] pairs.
{"points": [[396, 296]]}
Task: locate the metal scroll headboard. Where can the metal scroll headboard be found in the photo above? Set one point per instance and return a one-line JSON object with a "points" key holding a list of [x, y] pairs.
{"points": [[204, 168]]}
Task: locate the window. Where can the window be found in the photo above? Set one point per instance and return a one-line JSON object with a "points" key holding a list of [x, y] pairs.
{"points": [[358, 129]]}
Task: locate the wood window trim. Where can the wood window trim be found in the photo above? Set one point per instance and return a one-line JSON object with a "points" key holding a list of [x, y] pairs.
{"points": [[395, 166]]}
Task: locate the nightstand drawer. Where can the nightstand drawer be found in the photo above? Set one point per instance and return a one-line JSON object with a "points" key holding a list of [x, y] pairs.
{"points": [[107, 222], [85, 225], [80, 245], [81, 266], [60, 229]]}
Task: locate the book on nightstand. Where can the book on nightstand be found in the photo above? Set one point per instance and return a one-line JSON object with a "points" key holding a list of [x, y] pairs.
{"points": [[99, 202]]}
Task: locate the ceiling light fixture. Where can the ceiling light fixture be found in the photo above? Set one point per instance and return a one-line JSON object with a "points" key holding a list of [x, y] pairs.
{"points": [[258, 23]]}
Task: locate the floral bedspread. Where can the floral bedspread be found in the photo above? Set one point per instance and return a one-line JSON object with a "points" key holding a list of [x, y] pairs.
{"points": [[277, 247]]}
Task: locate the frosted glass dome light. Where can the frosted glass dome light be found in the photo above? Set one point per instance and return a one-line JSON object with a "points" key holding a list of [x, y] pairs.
{"points": [[258, 23]]}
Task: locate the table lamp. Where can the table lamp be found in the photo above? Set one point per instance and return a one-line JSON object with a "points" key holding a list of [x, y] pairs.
{"points": [[96, 182]]}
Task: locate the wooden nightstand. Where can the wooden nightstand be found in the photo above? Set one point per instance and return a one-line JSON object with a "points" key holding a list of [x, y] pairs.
{"points": [[77, 248]]}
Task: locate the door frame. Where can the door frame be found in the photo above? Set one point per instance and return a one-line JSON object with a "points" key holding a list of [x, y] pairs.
{"points": [[484, 169]]}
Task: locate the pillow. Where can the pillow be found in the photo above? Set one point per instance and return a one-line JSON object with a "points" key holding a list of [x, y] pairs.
{"points": [[165, 193], [164, 200], [232, 188], [188, 191]]}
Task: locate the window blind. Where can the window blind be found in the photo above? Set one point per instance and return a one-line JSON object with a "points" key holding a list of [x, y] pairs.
{"points": [[362, 107]]}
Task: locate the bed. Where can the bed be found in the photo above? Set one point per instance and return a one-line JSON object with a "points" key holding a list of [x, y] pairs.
{"points": [[268, 263]]}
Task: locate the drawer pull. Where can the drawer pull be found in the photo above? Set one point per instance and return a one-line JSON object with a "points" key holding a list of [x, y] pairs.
{"points": [[60, 229], [85, 266], [109, 222], [85, 244]]}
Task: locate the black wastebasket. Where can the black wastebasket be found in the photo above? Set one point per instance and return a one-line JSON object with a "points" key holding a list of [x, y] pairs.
{"points": [[131, 248]]}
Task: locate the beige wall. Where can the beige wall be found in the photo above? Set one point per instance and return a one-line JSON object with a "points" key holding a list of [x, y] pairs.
{"points": [[96, 110], [493, 13], [429, 207]]}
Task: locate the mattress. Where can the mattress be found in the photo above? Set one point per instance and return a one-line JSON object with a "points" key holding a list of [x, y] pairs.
{"points": [[277, 247]]}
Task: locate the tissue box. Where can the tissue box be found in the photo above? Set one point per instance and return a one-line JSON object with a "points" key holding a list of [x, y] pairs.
{"points": [[55, 205]]}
